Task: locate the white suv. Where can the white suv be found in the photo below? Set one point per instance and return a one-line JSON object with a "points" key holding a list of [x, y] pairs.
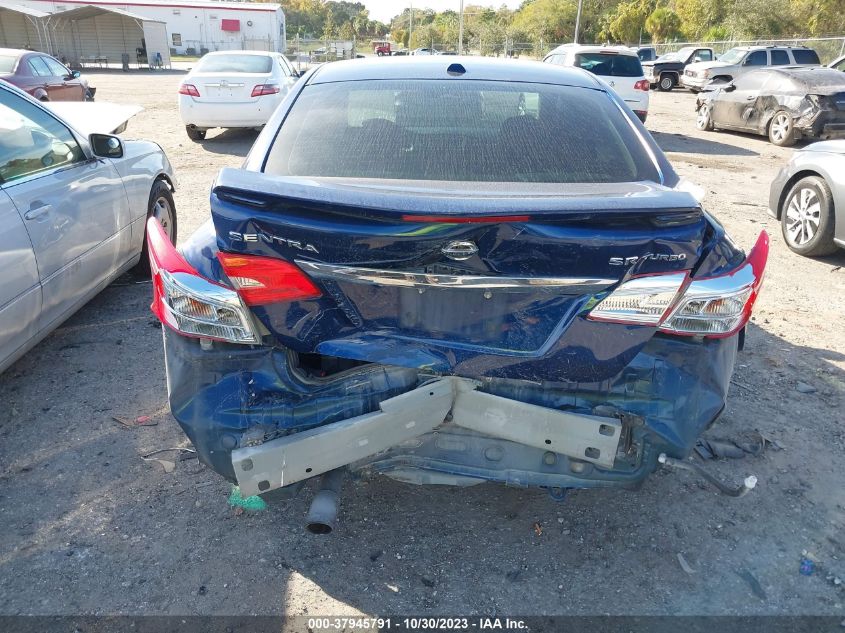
{"points": [[618, 66], [740, 60]]}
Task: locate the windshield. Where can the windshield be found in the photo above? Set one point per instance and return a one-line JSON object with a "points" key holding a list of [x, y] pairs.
{"points": [[677, 56], [610, 64], [7, 63], [483, 131], [258, 64], [733, 56]]}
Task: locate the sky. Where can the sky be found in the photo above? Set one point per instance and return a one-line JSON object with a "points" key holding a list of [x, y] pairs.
{"points": [[384, 10]]}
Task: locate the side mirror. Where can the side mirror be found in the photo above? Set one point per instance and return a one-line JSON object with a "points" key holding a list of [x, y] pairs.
{"points": [[76, 74], [729, 88], [696, 59], [106, 146]]}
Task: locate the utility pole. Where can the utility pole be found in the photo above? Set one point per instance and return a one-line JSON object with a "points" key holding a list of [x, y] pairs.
{"points": [[461, 30], [410, 24], [578, 20]]}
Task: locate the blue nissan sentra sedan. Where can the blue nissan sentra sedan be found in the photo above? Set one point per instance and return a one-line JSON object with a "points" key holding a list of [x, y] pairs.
{"points": [[450, 271]]}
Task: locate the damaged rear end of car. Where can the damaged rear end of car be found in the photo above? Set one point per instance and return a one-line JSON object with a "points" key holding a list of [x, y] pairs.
{"points": [[556, 319]]}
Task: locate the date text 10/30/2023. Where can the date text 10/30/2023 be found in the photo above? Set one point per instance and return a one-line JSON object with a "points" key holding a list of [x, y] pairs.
{"points": [[325, 624]]}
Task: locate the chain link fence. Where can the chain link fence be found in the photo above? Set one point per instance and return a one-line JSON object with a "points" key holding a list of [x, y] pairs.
{"points": [[828, 48]]}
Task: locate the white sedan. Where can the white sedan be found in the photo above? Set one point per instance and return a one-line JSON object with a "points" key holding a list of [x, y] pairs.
{"points": [[233, 89], [74, 204]]}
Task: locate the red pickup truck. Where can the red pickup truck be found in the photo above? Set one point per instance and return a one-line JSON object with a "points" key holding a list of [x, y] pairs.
{"points": [[381, 48]]}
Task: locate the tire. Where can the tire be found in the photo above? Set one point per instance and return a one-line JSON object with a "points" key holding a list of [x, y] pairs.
{"points": [[380, 54], [667, 82], [807, 219], [781, 129], [194, 134], [160, 206], [704, 119], [88, 95]]}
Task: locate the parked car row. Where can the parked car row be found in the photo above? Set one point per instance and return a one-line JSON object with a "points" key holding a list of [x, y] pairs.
{"points": [[436, 318], [743, 59]]}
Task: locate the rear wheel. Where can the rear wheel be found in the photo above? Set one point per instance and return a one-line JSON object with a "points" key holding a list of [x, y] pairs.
{"points": [[194, 134], [781, 132], [704, 120], [807, 219], [162, 208], [667, 82]]}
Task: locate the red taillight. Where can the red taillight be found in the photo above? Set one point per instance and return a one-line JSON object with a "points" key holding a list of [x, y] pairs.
{"points": [[263, 280], [717, 307], [163, 257], [714, 307], [486, 219], [642, 84], [187, 302], [265, 89], [189, 89]]}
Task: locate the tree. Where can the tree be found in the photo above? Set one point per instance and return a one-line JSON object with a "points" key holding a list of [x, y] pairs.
{"points": [[552, 21], [400, 36], [699, 16], [328, 26], [627, 23], [663, 25]]}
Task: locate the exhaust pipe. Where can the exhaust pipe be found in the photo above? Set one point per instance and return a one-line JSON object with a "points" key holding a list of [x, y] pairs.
{"points": [[323, 512]]}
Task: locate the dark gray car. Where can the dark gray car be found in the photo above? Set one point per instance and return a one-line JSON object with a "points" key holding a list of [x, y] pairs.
{"points": [[785, 104], [808, 197]]}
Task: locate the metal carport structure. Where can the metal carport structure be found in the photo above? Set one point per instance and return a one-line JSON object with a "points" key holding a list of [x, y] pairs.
{"points": [[23, 27], [89, 33]]}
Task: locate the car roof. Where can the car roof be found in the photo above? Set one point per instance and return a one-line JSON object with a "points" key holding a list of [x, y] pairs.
{"points": [[762, 47], [18, 51], [594, 48], [218, 53], [436, 67], [809, 75]]}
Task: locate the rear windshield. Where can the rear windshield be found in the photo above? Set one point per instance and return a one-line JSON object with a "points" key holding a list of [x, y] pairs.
{"points": [[805, 56], [609, 64], [235, 64], [479, 131], [7, 64]]}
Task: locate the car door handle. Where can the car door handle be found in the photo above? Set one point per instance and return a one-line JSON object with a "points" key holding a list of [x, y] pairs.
{"points": [[750, 98], [37, 212]]}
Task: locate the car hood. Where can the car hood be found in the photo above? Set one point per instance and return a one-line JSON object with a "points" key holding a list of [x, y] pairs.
{"points": [[831, 147], [93, 118], [707, 65]]}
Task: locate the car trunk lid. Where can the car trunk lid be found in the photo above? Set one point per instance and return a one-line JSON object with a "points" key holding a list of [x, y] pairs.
{"points": [[454, 278], [228, 88]]}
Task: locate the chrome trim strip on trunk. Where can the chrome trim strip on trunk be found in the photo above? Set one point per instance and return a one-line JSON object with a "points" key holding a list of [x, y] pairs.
{"points": [[580, 285]]}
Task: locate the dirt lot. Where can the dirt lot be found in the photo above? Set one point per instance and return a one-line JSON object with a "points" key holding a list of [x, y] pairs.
{"points": [[88, 527]]}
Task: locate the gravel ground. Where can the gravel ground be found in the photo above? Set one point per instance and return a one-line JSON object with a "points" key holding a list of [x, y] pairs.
{"points": [[89, 527]]}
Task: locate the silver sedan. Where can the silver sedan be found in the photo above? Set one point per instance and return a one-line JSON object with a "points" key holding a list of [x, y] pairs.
{"points": [[808, 197], [73, 211]]}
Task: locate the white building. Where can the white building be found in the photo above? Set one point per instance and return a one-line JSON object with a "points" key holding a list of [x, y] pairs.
{"points": [[197, 26]]}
